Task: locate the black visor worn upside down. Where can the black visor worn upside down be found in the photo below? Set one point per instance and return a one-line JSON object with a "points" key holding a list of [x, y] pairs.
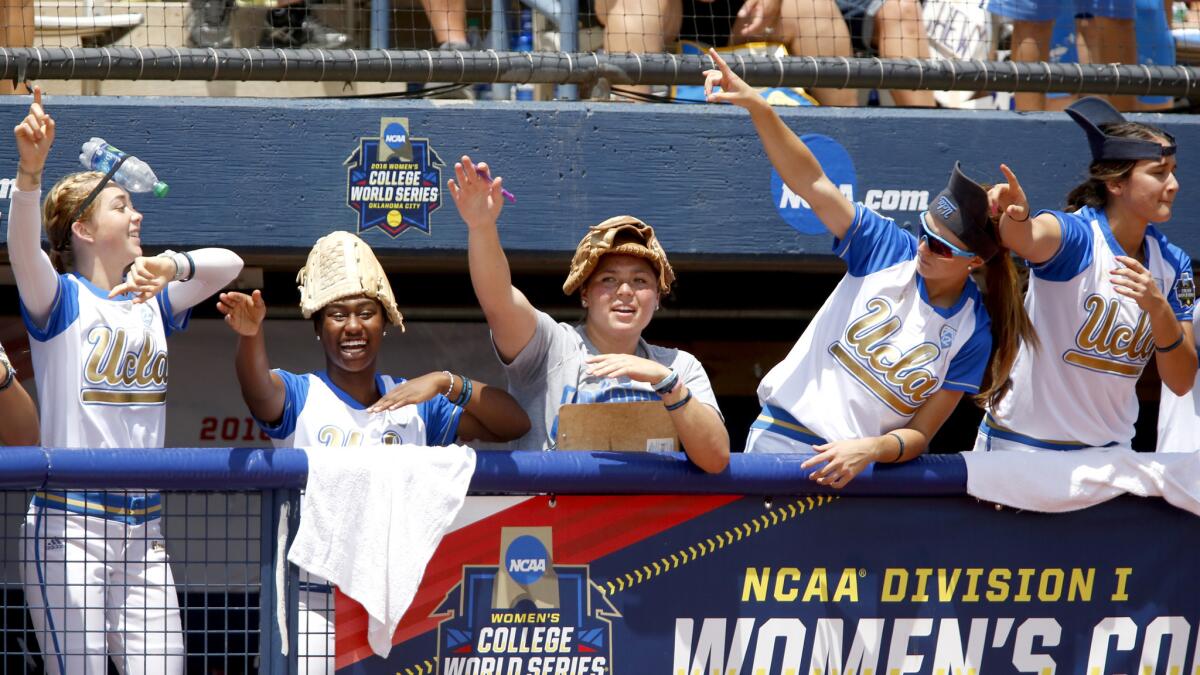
{"points": [[1093, 113]]}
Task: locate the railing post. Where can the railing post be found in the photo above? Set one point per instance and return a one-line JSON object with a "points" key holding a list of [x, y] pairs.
{"points": [[270, 645]]}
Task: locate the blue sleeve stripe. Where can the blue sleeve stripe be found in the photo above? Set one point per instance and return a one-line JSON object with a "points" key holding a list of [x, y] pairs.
{"points": [[63, 312], [961, 386], [171, 321], [295, 393]]}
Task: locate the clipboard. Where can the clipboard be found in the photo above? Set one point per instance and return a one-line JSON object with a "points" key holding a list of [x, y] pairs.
{"points": [[639, 426]]}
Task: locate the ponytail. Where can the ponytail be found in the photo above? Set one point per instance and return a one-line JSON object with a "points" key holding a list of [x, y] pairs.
{"points": [[1005, 304]]}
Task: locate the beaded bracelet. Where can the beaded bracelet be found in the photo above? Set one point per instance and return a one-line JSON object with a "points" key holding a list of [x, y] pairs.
{"points": [[450, 388], [464, 396]]}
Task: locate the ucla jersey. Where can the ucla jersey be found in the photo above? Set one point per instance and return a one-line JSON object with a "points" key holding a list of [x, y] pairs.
{"points": [[1078, 389], [101, 367], [317, 413], [877, 349]]}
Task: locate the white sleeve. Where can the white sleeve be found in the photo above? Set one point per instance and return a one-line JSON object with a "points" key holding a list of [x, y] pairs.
{"points": [[37, 281], [215, 268]]}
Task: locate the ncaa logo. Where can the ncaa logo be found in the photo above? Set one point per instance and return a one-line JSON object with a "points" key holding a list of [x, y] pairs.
{"points": [[946, 338], [526, 560], [395, 136], [836, 164]]}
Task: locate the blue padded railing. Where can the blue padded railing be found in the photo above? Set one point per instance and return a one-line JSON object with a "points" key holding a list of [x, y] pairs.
{"points": [[495, 471]]}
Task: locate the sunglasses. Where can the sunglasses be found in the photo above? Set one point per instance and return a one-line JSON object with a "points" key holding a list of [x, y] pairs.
{"points": [[938, 246]]}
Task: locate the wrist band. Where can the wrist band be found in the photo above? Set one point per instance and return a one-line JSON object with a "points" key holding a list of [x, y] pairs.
{"points": [[681, 402], [899, 438], [666, 384], [464, 396], [450, 388], [1163, 350], [35, 175], [11, 375], [191, 266]]}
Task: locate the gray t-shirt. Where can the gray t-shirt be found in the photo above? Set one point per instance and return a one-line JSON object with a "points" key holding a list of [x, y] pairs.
{"points": [[551, 371]]}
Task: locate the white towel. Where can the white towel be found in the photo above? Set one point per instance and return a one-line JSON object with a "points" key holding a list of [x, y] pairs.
{"points": [[1052, 481], [371, 519]]}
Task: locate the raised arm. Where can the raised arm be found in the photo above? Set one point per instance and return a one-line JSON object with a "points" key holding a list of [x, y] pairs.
{"points": [[262, 390], [800, 170], [509, 315], [37, 282], [1034, 239]]}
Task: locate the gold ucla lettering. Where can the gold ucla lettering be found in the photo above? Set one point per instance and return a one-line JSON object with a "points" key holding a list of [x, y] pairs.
{"points": [[866, 336], [110, 363], [331, 436], [1107, 345]]}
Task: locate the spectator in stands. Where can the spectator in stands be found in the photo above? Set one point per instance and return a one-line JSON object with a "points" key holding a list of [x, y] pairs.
{"points": [[16, 30], [289, 25], [1179, 416], [94, 566], [891, 28], [906, 328], [18, 416], [621, 273], [1105, 34], [1106, 291], [349, 403]]}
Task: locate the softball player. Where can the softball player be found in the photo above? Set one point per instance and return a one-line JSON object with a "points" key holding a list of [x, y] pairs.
{"points": [[1106, 291], [95, 569], [18, 416], [621, 272], [346, 293], [903, 336]]}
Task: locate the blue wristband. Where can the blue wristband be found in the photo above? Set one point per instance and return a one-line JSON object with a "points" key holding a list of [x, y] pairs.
{"points": [[681, 402]]}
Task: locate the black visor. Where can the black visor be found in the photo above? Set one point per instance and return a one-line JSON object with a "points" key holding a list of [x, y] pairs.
{"points": [[1093, 113], [963, 208]]}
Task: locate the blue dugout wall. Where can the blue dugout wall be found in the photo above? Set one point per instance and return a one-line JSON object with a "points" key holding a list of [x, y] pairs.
{"points": [[274, 174]]}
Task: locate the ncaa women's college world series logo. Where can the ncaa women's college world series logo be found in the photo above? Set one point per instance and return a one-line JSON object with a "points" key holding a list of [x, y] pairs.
{"points": [[394, 181], [525, 616]]}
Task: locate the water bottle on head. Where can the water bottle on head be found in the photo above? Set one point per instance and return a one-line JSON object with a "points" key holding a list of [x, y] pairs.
{"points": [[134, 174]]}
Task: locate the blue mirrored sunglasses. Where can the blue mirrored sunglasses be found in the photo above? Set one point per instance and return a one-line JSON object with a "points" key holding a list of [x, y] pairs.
{"points": [[938, 246]]}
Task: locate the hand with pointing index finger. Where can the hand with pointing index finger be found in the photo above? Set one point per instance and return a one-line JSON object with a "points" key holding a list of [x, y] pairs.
{"points": [[733, 88], [35, 135], [1008, 199]]}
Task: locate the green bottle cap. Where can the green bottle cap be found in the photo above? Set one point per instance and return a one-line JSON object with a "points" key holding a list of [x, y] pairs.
{"points": [[160, 189]]}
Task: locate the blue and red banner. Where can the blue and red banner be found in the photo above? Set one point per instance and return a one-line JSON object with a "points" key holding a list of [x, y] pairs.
{"points": [[730, 585]]}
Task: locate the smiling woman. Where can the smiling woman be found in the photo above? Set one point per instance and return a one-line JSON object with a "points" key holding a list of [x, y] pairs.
{"points": [[98, 336], [907, 329], [1106, 288], [345, 292], [621, 273]]}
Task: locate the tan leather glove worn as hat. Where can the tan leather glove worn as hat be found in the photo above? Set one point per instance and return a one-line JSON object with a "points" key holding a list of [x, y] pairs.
{"points": [[340, 265], [624, 235]]}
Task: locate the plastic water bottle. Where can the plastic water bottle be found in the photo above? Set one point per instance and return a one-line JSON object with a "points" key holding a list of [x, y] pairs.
{"points": [[134, 174], [482, 90], [524, 43]]}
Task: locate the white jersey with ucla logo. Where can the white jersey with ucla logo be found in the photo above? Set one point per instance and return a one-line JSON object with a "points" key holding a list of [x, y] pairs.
{"points": [[316, 412], [104, 364], [1078, 389], [877, 349]]}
